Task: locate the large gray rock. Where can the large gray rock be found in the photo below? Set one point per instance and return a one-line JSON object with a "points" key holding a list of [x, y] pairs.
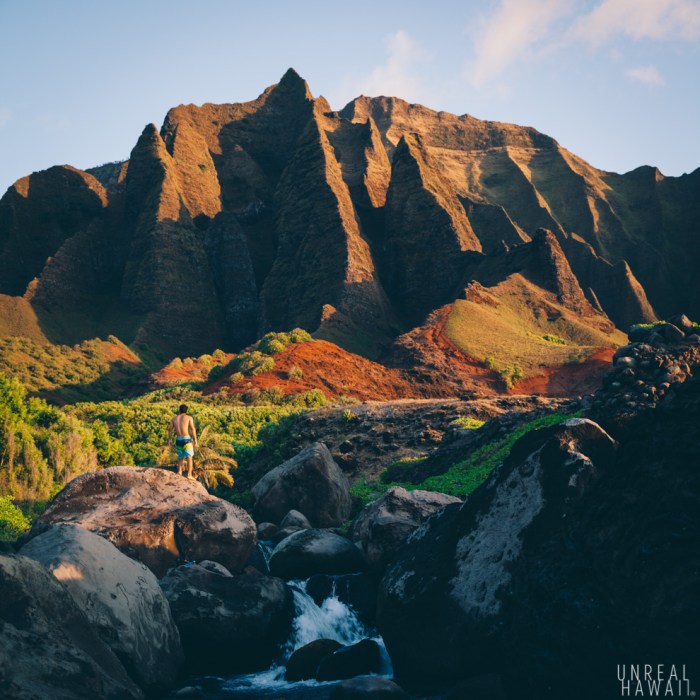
{"points": [[315, 551], [310, 482], [385, 524], [48, 648], [121, 598], [228, 623], [445, 600], [295, 519], [154, 516]]}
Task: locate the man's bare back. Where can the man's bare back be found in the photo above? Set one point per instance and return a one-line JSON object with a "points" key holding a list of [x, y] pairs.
{"points": [[185, 432], [183, 425]]}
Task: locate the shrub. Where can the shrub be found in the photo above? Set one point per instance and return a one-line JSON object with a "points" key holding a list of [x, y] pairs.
{"points": [[266, 365], [295, 373], [254, 363], [299, 335], [467, 423], [273, 394], [216, 372], [13, 522]]}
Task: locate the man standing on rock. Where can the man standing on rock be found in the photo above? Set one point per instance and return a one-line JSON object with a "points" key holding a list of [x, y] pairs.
{"points": [[185, 439]]}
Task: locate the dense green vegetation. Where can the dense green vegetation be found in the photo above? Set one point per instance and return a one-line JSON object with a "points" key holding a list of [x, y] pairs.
{"points": [[13, 522], [43, 446], [95, 368]]}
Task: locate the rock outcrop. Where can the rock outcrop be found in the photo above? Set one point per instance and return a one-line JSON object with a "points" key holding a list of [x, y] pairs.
{"points": [[154, 516], [310, 482], [48, 648], [455, 572], [309, 552], [427, 233], [539, 578], [659, 358], [385, 524], [228, 623], [120, 597], [358, 659], [303, 663]]}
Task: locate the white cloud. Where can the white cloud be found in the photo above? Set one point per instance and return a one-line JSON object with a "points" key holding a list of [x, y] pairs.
{"points": [[511, 34], [399, 75], [647, 75], [5, 116], [639, 19]]}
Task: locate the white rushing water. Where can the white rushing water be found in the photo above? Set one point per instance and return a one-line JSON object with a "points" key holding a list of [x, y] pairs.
{"points": [[332, 620]]}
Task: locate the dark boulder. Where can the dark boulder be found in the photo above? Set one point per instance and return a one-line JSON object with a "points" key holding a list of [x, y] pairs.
{"points": [[355, 660], [303, 663], [310, 482], [309, 552], [683, 322], [285, 532], [266, 531], [671, 333], [385, 524], [295, 519], [228, 623], [604, 570], [444, 600]]}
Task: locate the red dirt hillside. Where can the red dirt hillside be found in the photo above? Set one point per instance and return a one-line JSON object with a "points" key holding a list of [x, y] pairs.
{"points": [[328, 367]]}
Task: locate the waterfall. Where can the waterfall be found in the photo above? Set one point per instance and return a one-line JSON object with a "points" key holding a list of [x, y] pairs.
{"points": [[332, 620]]}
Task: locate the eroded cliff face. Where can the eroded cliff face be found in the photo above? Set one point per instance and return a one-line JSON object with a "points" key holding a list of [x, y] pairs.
{"points": [[279, 212]]}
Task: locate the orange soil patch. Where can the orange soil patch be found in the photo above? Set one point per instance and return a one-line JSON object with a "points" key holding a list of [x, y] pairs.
{"points": [[327, 367], [171, 375], [569, 380], [118, 353], [441, 367]]}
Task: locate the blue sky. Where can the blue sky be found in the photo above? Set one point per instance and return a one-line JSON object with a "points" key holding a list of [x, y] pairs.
{"points": [[615, 81]]}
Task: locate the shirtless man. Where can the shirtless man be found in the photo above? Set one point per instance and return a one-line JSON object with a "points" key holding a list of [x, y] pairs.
{"points": [[185, 439]]}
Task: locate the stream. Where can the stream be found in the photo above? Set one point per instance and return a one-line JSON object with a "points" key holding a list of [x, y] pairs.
{"points": [[333, 619]]}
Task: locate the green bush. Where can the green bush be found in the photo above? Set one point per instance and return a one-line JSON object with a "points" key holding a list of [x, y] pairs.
{"points": [[295, 373], [273, 346], [299, 335], [13, 522], [266, 365], [215, 373], [467, 423]]}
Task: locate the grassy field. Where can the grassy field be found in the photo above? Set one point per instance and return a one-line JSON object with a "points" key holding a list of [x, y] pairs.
{"points": [[524, 331]]}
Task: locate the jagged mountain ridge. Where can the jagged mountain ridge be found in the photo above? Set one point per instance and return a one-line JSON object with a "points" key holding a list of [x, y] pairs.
{"points": [[279, 212]]}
